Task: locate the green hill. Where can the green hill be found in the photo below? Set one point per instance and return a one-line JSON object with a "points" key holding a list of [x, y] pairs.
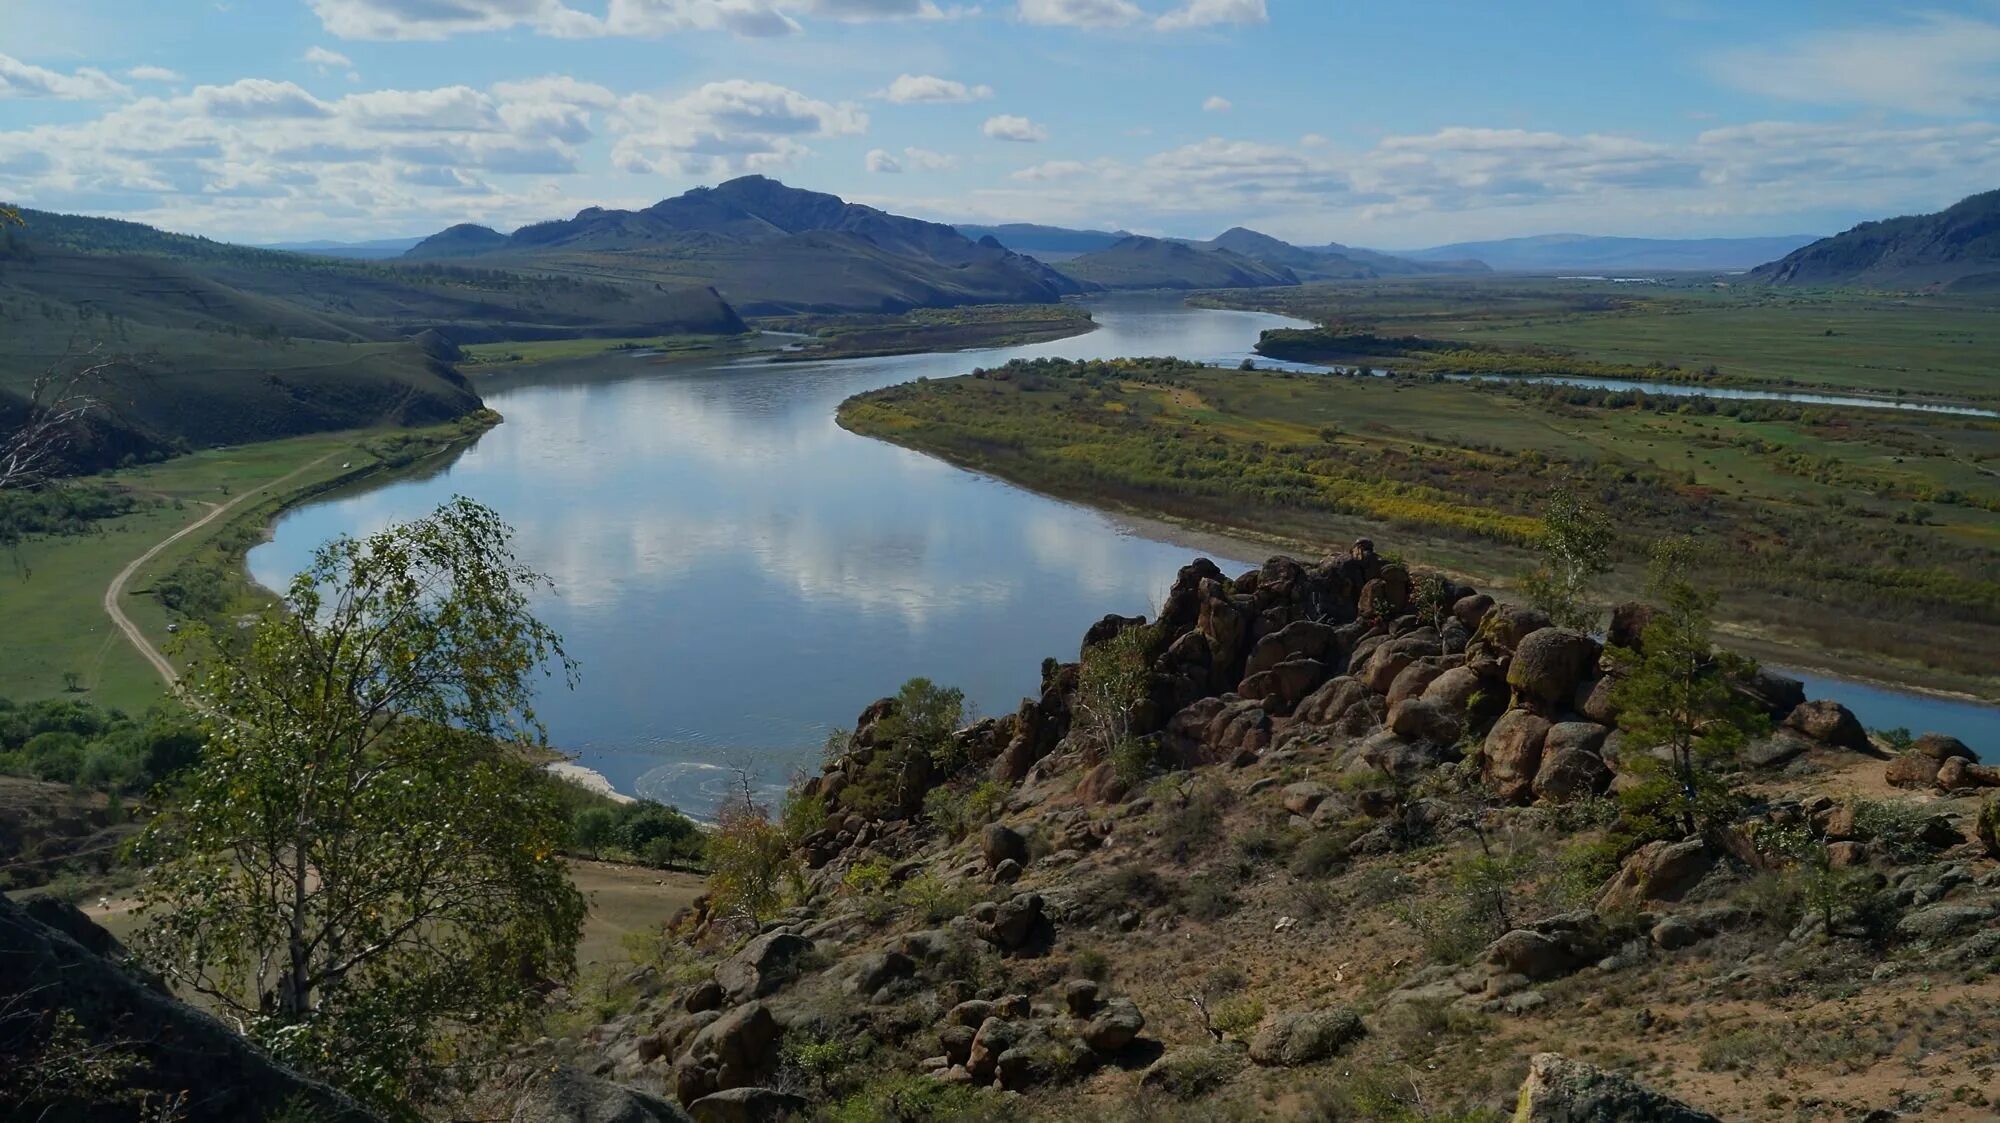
{"points": [[1958, 248], [1155, 263], [191, 342], [770, 250]]}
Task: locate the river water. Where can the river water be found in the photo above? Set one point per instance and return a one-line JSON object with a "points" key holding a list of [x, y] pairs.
{"points": [[738, 576]]}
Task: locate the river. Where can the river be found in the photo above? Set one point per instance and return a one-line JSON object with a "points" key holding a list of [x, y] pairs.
{"points": [[738, 576]]}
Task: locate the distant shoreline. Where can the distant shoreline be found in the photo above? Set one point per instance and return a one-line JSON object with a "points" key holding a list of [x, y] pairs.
{"points": [[589, 779]]}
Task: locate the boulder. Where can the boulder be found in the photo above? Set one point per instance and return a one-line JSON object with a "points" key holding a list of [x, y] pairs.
{"points": [[1568, 773], [1013, 923], [1548, 664], [1470, 610], [1912, 769], [1514, 754], [1597, 703], [1942, 747], [1404, 760], [1986, 829], [1454, 688], [1831, 724], [1082, 997], [748, 1105], [765, 964], [1777, 695], [995, 1036], [1328, 704], [566, 1095], [1628, 625], [1508, 624], [1580, 736], [1657, 871], [1551, 947], [706, 995], [999, 843], [1420, 719], [1560, 1090], [1113, 1027], [878, 969], [1302, 797], [738, 1043], [1413, 681], [1300, 639], [1303, 1038], [1282, 687], [1781, 748]]}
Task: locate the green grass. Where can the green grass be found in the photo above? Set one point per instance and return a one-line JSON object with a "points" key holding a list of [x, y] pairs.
{"points": [[1883, 343], [546, 350], [1849, 530], [931, 329], [52, 589]]}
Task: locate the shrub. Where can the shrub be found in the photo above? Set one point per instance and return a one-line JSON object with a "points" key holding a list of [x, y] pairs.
{"points": [[1091, 963], [1238, 1017], [750, 863], [1188, 1073], [925, 718], [935, 899], [1208, 897], [958, 812], [1266, 842], [1134, 759], [1322, 854], [1896, 828], [1194, 825], [916, 1098]]}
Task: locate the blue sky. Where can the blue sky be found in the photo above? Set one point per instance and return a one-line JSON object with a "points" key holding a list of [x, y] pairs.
{"points": [[1393, 125]]}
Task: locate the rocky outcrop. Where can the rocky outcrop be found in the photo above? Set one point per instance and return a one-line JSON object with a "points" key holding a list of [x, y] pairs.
{"points": [[171, 1046], [1657, 871], [566, 1095], [1305, 1037], [764, 965], [1831, 724], [1560, 1090], [1514, 754]]}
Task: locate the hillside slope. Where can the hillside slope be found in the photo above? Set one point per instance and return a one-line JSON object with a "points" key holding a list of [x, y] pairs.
{"points": [[769, 249], [1333, 261], [1139, 262], [1552, 253], [1957, 247]]}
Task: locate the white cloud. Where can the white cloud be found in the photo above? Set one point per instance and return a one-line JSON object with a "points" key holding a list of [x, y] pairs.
{"points": [[438, 19], [1217, 104], [24, 80], [722, 127], [1207, 13], [152, 74], [880, 162], [1940, 64], [927, 160], [1052, 169], [325, 60], [1466, 182], [1009, 127], [1080, 13], [909, 88]]}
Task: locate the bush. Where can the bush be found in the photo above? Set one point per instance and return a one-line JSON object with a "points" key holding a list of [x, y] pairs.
{"points": [[1195, 824], [1134, 760], [1188, 1073], [1208, 897], [958, 812], [935, 899], [925, 717], [1266, 842], [915, 1098], [1322, 854]]}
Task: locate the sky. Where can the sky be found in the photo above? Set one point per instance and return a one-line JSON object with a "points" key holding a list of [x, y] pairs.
{"points": [[1393, 125]]}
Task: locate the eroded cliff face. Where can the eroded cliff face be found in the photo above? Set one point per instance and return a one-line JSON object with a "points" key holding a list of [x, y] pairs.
{"points": [[1365, 863]]}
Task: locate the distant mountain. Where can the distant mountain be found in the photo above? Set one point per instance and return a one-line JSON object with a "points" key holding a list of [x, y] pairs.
{"points": [[203, 342], [1050, 243], [365, 251], [769, 248], [1138, 262], [1558, 253], [1958, 247], [1331, 262]]}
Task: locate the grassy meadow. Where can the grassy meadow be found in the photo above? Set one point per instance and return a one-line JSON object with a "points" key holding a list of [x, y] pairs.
{"points": [[1922, 345], [52, 586], [1854, 537]]}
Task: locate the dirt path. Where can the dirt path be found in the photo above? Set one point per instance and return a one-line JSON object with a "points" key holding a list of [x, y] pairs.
{"points": [[117, 587]]}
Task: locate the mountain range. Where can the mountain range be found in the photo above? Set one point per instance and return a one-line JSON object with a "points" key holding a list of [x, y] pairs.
{"points": [[769, 249], [1957, 248], [1556, 253]]}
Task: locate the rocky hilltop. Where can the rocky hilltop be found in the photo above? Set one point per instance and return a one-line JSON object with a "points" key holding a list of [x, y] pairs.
{"points": [[1343, 846]]}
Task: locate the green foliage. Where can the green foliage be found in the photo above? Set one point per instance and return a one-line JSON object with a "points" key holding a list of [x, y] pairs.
{"points": [[1208, 897], [1575, 550], [935, 899], [801, 815], [593, 829], [1111, 682], [1134, 759], [925, 718], [751, 866], [1676, 694], [362, 868], [1823, 890], [916, 1098], [1893, 827], [193, 589], [70, 508], [958, 811], [1898, 739], [74, 742], [869, 877]]}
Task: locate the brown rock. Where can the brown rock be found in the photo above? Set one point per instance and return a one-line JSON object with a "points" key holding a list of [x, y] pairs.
{"points": [[1657, 871], [1326, 705], [1420, 719], [1471, 610], [1548, 664], [1951, 775], [1514, 754], [1413, 680], [1569, 773], [1628, 625], [1830, 723], [1942, 747], [1912, 769]]}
